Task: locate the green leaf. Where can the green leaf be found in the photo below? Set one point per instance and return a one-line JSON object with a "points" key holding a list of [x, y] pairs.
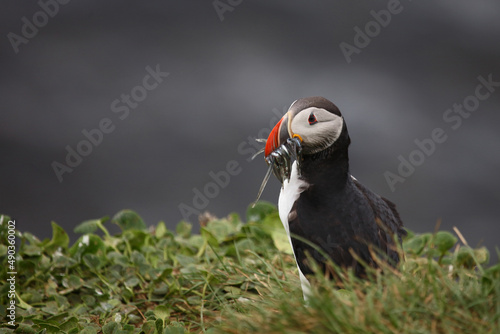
{"points": [[22, 304], [51, 307], [92, 261], [234, 219], [88, 243], [491, 277], [240, 246], [138, 258], [50, 327], [196, 241], [32, 250], [111, 328], [128, 220], [132, 282], [161, 289], [209, 237], [271, 222], [74, 282], [220, 229], [60, 239], [25, 329], [62, 261], [69, 324], [161, 230], [416, 245], [444, 241], [183, 229], [174, 330], [482, 255], [148, 327], [28, 267], [465, 257], [58, 318], [136, 238], [89, 300], [260, 211], [162, 312], [118, 259], [89, 330], [159, 325], [90, 226], [31, 238], [281, 241], [185, 260], [3, 250], [232, 291]]}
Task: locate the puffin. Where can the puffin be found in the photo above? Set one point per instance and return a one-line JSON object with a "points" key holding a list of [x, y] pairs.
{"points": [[326, 212]]}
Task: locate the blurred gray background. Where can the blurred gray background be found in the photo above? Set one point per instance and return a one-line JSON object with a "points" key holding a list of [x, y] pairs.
{"points": [[233, 67]]}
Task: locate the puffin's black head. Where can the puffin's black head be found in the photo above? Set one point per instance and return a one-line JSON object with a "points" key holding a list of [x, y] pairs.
{"points": [[316, 122], [319, 126]]}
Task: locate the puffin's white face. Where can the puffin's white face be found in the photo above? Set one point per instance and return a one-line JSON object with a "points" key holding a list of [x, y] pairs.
{"points": [[317, 128], [316, 121]]}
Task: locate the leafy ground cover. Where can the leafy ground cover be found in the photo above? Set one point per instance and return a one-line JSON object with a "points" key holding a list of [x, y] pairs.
{"points": [[237, 277]]}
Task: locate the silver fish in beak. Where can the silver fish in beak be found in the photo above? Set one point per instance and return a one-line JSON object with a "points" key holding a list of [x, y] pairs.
{"points": [[280, 152]]}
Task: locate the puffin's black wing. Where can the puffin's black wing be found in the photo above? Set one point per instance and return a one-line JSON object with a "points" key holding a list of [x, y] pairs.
{"points": [[388, 221]]}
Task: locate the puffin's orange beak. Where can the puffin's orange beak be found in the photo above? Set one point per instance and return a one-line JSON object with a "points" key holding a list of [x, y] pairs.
{"points": [[278, 135], [273, 141]]}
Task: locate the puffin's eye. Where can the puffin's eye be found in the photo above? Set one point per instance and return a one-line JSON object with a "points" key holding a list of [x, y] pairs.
{"points": [[312, 119]]}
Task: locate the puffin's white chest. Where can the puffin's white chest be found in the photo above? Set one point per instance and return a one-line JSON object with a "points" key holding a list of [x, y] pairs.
{"points": [[290, 192]]}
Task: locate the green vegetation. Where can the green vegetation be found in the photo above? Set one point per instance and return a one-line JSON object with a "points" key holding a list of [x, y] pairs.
{"points": [[236, 277]]}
